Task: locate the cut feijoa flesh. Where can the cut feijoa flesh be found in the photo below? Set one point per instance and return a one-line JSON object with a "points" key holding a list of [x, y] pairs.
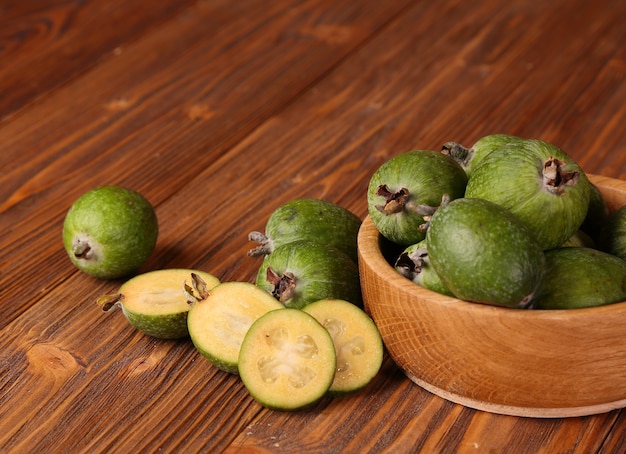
{"points": [[155, 303], [287, 360], [219, 319], [358, 345]]}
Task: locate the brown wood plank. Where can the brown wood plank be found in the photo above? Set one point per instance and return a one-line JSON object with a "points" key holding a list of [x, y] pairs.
{"points": [[155, 115], [46, 44], [94, 384]]}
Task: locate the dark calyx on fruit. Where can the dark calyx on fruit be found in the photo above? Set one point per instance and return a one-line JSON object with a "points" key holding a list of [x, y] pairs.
{"points": [[410, 265], [396, 202], [284, 286], [555, 177], [458, 152]]}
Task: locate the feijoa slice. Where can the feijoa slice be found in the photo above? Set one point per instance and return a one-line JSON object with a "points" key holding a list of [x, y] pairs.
{"points": [[358, 345], [308, 219], [581, 277], [406, 189], [287, 360], [301, 272], [220, 317], [155, 303]]}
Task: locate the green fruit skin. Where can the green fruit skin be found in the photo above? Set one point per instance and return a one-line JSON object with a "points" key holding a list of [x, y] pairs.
{"points": [[597, 213], [485, 254], [512, 177], [120, 224], [469, 158], [613, 234], [579, 277], [321, 271], [426, 277], [427, 175], [170, 326], [314, 220]]}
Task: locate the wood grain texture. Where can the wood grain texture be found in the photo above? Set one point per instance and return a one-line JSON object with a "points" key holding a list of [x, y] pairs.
{"points": [[219, 111]]}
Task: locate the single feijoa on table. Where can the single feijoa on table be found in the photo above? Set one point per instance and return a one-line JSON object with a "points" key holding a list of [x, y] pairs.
{"points": [[414, 264], [287, 360], [358, 344], [155, 302], [579, 277], [308, 219], [485, 254], [110, 232], [405, 191], [220, 317], [468, 158], [612, 238], [301, 272], [537, 182]]}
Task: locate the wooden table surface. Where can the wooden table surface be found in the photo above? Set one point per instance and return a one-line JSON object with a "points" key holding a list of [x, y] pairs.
{"points": [[218, 111]]}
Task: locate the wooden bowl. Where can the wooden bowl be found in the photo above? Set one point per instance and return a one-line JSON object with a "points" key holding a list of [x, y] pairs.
{"points": [[537, 363]]}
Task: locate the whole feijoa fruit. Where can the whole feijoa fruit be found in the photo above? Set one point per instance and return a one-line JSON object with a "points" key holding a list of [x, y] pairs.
{"points": [[155, 302], [110, 232], [312, 220], [581, 277], [468, 158], [539, 183], [405, 191], [484, 254], [613, 234], [301, 272], [414, 264]]}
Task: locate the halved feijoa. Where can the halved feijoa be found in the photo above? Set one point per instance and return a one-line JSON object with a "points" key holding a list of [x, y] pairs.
{"points": [[358, 345], [581, 277], [220, 317], [308, 219], [301, 272], [287, 360], [406, 189], [155, 303]]}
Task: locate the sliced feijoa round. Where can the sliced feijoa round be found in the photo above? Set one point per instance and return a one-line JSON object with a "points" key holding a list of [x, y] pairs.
{"points": [[309, 219], [220, 317], [287, 360], [358, 345], [301, 272], [155, 303]]}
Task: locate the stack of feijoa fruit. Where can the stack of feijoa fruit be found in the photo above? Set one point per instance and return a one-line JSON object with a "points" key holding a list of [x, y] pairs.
{"points": [[297, 334], [510, 221]]}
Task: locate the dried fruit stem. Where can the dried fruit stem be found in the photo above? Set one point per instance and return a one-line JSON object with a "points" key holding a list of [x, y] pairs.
{"points": [[284, 286], [458, 152], [555, 177], [198, 285], [265, 244]]}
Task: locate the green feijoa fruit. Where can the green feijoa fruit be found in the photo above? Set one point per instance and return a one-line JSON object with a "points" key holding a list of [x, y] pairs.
{"points": [[484, 254], [220, 317], [414, 264], [301, 272], [287, 360], [597, 213], [406, 189], [468, 158], [358, 345], [537, 182], [579, 239], [155, 302], [312, 220], [581, 277], [613, 235], [110, 232]]}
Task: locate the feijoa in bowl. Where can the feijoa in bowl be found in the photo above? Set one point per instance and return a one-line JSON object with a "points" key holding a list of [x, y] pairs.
{"points": [[521, 362]]}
